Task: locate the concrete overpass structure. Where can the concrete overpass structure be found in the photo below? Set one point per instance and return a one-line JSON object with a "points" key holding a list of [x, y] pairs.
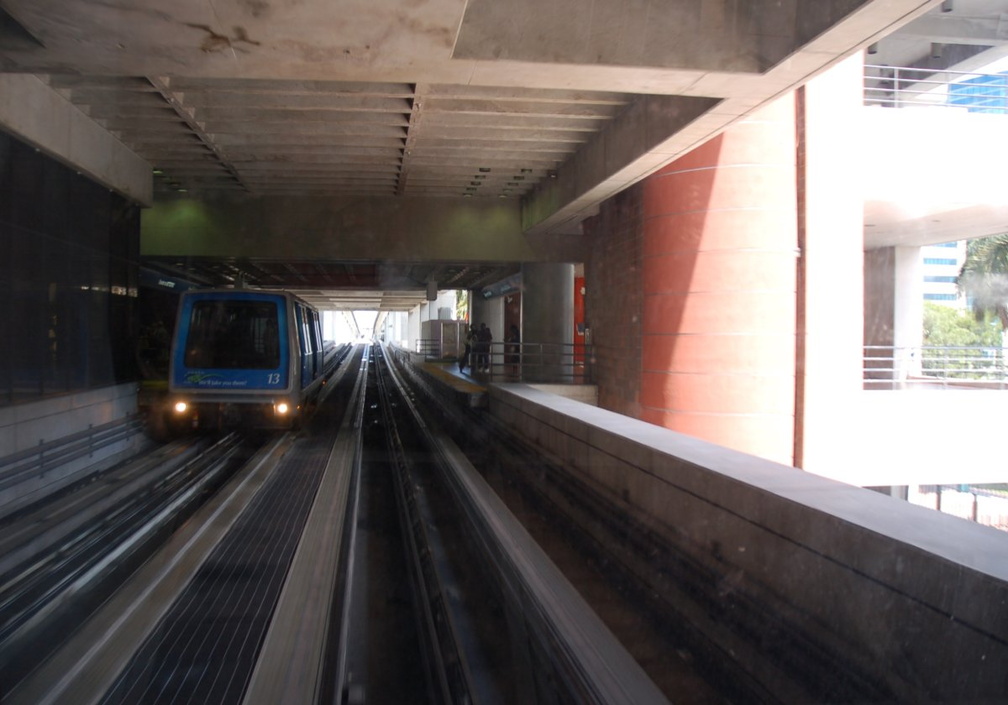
{"points": [[359, 153], [709, 164], [377, 108]]}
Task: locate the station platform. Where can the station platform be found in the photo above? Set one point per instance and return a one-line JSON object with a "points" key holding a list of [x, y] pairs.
{"points": [[445, 380], [467, 382], [472, 389]]}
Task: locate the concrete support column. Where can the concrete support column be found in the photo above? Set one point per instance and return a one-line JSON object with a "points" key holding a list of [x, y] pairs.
{"points": [[879, 316], [400, 326], [831, 305], [489, 311], [718, 276], [893, 314], [908, 312], [413, 328], [548, 318]]}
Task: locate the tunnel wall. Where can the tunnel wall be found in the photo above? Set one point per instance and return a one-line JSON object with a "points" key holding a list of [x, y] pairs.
{"points": [[891, 594]]}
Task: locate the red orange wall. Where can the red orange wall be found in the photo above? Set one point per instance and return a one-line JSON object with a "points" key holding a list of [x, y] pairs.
{"points": [[579, 320], [711, 242]]}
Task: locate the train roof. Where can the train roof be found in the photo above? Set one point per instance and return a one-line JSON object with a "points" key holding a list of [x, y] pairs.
{"points": [[244, 292]]}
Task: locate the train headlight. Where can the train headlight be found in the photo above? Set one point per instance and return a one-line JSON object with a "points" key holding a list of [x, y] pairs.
{"points": [[180, 407], [282, 408]]}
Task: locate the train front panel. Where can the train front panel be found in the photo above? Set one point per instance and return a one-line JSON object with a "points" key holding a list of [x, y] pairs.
{"points": [[235, 359]]}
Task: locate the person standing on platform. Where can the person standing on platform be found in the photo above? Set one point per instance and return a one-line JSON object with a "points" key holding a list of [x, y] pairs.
{"points": [[513, 356], [464, 361], [485, 337]]}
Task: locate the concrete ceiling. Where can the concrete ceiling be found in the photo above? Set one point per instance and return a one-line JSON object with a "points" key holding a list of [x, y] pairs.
{"points": [[558, 105], [336, 286], [426, 97]]}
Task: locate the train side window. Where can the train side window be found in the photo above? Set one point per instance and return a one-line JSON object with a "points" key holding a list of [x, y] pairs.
{"points": [[299, 314], [313, 330], [316, 341]]}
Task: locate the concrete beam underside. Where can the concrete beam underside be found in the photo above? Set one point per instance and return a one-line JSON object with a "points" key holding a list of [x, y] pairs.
{"points": [[350, 229], [38, 115]]}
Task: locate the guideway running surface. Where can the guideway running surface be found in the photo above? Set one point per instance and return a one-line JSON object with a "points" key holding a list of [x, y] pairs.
{"points": [[205, 647]]}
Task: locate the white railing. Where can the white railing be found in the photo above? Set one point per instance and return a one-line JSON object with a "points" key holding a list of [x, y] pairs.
{"points": [[889, 367], [981, 505], [905, 87]]}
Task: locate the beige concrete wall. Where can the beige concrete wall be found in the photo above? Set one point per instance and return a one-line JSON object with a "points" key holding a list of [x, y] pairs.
{"points": [[929, 176], [584, 393], [832, 263], [897, 594], [918, 436]]}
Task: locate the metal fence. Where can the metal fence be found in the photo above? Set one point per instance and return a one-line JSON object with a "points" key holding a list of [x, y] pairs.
{"points": [[553, 363], [35, 462], [908, 87], [981, 505], [888, 367]]}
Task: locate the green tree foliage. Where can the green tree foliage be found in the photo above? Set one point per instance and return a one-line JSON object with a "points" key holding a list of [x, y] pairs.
{"points": [[959, 345], [461, 305], [947, 326], [984, 277]]}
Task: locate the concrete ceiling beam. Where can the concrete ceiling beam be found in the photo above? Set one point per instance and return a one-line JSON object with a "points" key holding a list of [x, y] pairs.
{"points": [[40, 116]]}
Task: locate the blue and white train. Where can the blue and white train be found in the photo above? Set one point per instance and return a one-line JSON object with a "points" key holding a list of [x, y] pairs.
{"points": [[244, 357]]}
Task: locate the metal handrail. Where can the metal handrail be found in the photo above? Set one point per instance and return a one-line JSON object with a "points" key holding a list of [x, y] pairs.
{"points": [[887, 366], [906, 87], [502, 361], [47, 456]]}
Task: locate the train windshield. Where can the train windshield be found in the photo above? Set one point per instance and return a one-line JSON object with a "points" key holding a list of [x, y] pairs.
{"points": [[233, 335]]}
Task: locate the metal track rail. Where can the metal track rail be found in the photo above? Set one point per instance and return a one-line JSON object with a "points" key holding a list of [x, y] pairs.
{"points": [[75, 562], [581, 657], [245, 598], [449, 673], [88, 662], [30, 540], [303, 658]]}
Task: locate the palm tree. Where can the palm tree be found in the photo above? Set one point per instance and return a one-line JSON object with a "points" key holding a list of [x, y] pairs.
{"points": [[984, 277]]}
